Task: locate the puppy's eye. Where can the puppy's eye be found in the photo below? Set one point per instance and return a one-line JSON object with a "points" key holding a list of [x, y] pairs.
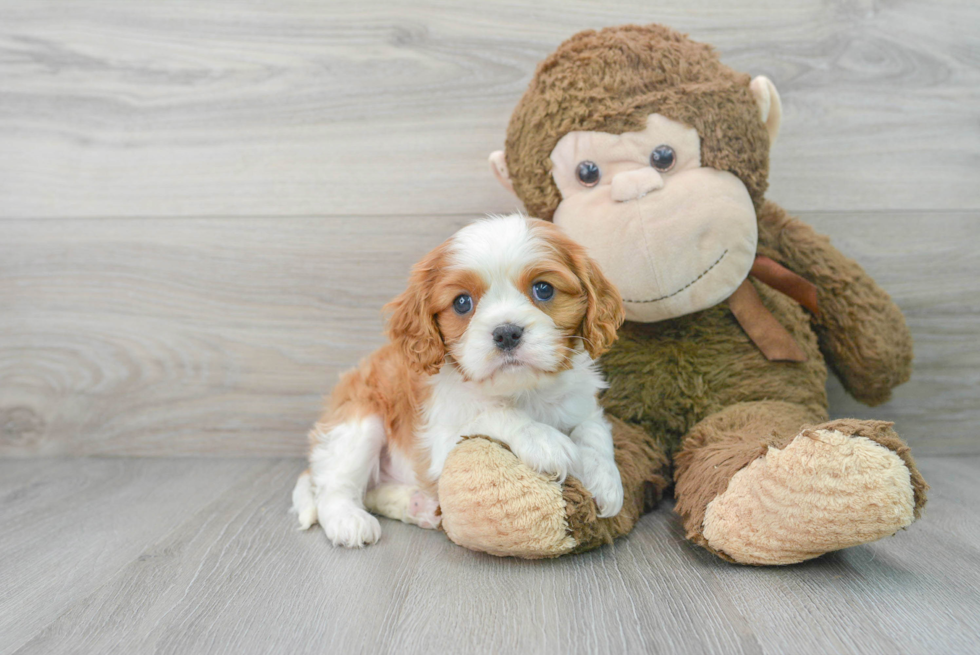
{"points": [[542, 291], [463, 304], [588, 173], [662, 158]]}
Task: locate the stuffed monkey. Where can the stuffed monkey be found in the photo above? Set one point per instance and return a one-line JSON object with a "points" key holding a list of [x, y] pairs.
{"points": [[649, 151]]}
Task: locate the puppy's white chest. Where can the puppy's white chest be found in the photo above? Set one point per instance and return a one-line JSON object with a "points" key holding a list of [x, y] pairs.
{"points": [[562, 401]]}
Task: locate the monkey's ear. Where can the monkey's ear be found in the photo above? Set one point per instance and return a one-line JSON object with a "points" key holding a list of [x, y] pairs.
{"points": [[770, 107], [498, 164]]}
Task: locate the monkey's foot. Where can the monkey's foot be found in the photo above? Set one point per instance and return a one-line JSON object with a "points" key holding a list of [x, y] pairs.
{"points": [[493, 502], [827, 489]]}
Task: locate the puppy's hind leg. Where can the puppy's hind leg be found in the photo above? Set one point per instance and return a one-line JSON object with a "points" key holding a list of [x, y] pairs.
{"points": [[304, 501], [404, 503], [343, 462]]}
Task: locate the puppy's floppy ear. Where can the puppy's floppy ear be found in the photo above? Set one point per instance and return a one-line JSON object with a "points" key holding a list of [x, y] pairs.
{"points": [[412, 325], [604, 311]]}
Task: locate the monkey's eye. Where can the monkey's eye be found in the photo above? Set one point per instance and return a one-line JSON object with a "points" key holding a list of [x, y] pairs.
{"points": [[463, 304], [662, 158], [588, 173], [542, 291]]}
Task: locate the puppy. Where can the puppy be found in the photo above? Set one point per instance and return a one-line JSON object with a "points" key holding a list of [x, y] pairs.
{"points": [[495, 336]]}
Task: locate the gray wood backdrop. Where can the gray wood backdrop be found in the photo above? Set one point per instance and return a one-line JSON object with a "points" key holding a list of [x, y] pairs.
{"points": [[204, 204]]}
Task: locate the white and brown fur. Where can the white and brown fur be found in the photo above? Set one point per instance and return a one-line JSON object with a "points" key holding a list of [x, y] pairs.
{"points": [[391, 422]]}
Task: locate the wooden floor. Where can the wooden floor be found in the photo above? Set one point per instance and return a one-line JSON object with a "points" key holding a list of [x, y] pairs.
{"points": [[200, 555], [205, 203]]}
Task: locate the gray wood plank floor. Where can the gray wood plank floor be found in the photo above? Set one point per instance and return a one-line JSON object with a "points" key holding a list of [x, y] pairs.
{"points": [[195, 556], [199, 555], [69, 525], [204, 204]]}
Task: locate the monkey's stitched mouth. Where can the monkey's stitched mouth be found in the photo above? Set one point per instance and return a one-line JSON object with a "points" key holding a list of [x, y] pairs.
{"points": [[683, 288]]}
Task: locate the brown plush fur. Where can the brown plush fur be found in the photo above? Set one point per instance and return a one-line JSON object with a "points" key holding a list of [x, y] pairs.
{"points": [[695, 389], [723, 444], [862, 333], [666, 377], [591, 83], [645, 471]]}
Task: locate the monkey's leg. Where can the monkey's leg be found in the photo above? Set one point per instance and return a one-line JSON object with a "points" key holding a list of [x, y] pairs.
{"points": [[492, 502], [755, 484]]}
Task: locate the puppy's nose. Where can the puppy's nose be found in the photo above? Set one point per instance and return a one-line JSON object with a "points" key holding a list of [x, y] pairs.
{"points": [[506, 337], [631, 185]]}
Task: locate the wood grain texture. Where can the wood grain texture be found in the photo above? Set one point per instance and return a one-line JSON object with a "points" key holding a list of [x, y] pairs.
{"points": [[204, 204], [220, 336], [219, 108], [189, 335], [235, 576], [68, 525]]}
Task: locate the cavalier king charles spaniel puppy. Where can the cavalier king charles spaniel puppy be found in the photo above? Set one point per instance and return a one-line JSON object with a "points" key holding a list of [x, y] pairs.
{"points": [[496, 335]]}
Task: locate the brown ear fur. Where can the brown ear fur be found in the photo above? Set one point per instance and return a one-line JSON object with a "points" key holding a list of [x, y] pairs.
{"points": [[604, 312], [412, 325]]}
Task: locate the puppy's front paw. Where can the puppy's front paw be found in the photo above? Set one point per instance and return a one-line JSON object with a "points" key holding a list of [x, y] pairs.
{"points": [[347, 525], [606, 486], [546, 450]]}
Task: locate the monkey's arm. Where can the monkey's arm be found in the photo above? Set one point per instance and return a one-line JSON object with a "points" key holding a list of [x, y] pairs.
{"points": [[862, 332]]}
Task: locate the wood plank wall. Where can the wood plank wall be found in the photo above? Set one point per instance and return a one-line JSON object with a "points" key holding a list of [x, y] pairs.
{"points": [[204, 204]]}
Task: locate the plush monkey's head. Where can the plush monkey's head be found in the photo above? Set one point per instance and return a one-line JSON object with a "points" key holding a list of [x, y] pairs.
{"points": [[649, 151]]}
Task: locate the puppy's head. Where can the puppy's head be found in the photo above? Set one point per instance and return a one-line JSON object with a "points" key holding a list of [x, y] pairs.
{"points": [[509, 299]]}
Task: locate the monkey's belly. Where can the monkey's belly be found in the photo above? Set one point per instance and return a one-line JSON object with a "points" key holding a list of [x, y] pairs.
{"points": [[667, 376]]}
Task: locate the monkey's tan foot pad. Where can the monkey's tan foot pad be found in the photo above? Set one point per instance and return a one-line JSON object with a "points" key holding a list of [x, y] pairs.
{"points": [[493, 502], [824, 491]]}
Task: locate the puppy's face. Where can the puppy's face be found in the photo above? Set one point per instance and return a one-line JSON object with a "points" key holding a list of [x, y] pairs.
{"points": [[508, 299]]}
